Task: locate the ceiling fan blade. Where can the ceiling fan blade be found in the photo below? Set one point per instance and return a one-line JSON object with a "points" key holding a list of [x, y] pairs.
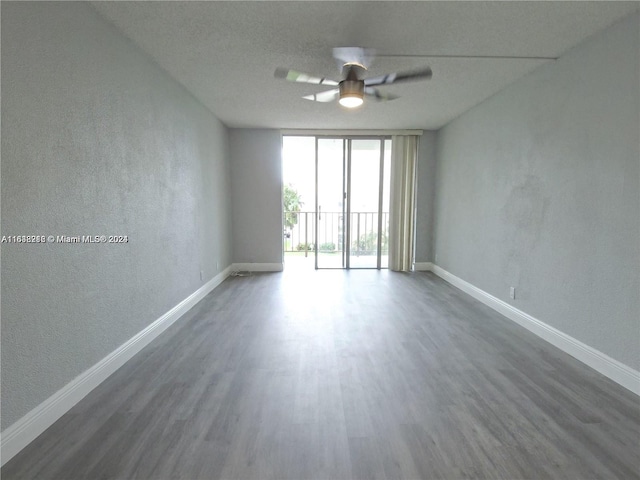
{"points": [[362, 57], [294, 76], [377, 95], [397, 77], [326, 96]]}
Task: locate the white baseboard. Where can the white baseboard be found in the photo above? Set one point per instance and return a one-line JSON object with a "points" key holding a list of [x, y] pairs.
{"points": [[602, 363], [257, 267], [25, 430], [423, 266]]}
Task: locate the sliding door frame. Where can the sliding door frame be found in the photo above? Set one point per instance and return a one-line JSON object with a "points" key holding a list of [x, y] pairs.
{"points": [[346, 193]]}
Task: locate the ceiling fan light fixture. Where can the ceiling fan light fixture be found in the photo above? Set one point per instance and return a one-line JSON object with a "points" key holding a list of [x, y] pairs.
{"points": [[351, 101], [351, 93]]}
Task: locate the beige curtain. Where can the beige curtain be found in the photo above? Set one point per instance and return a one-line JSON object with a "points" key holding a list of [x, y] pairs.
{"points": [[404, 154]]}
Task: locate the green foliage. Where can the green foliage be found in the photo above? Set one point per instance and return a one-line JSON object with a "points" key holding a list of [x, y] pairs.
{"points": [[292, 202], [369, 243], [327, 247], [304, 246]]}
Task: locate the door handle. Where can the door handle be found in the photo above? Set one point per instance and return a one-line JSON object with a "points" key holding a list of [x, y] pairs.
{"points": [[319, 212]]}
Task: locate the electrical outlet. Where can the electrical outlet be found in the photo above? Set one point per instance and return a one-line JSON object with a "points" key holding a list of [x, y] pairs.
{"points": [[201, 275], [217, 266], [512, 293]]}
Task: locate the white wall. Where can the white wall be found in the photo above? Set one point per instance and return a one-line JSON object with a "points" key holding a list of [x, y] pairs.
{"points": [[256, 174], [538, 187], [425, 197], [256, 195], [96, 139]]}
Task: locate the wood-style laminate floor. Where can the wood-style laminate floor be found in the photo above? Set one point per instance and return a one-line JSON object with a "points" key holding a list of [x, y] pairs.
{"points": [[344, 375]]}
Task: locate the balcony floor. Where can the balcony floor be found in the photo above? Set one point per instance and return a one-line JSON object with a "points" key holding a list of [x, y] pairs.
{"points": [[297, 260]]}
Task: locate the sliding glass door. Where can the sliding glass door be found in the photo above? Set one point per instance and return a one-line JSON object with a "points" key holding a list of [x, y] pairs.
{"points": [[352, 202], [330, 241]]}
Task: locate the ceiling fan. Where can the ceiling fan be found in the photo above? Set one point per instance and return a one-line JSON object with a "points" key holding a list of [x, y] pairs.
{"points": [[350, 92]]}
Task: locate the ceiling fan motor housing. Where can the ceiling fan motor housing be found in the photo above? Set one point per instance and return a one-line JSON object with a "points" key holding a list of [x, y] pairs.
{"points": [[351, 93], [351, 88]]}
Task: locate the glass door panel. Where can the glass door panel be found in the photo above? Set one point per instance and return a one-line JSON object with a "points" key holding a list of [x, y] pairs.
{"points": [[364, 176], [384, 210], [330, 203], [352, 202]]}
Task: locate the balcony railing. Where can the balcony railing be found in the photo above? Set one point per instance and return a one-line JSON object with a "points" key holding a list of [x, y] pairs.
{"points": [[364, 232]]}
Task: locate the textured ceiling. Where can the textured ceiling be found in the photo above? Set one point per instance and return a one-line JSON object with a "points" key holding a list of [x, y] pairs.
{"points": [[225, 53]]}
